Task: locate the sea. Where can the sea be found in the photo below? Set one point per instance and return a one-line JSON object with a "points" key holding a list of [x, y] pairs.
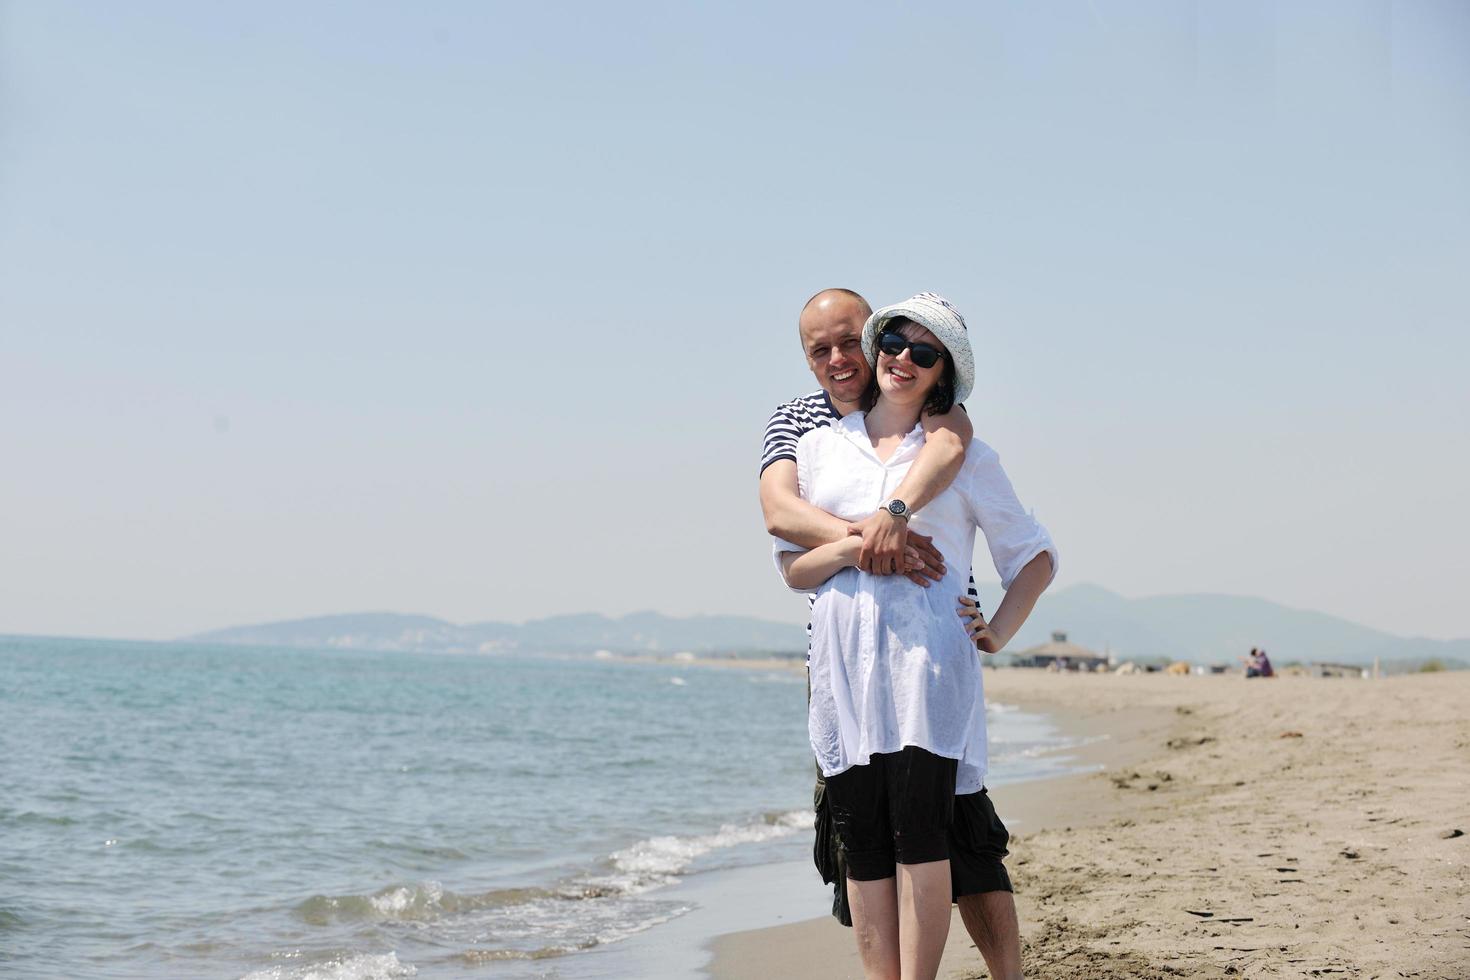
{"points": [[193, 811]]}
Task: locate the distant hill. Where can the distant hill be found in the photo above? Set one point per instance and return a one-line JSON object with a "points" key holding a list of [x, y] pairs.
{"points": [[1212, 628], [644, 632], [1204, 628]]}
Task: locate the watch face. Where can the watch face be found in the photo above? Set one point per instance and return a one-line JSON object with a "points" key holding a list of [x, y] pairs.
{"points": [[897, 508]]}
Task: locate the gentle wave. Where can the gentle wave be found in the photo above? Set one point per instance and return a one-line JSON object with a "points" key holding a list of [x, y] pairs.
{"points": [[418, 850], [600, 906], [32, 817], [363, 966], [648, 864], [1058, 747], [657, 861], [475, 957], [425, 901], [606, 933]]}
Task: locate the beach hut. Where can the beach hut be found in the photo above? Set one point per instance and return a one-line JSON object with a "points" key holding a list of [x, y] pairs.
{"points": [[1060, 654]]}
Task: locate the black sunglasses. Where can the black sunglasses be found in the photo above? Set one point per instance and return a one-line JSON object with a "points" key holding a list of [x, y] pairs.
{"points": [[893, 343]]}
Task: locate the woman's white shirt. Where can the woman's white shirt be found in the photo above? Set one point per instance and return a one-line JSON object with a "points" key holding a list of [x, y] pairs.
{"points": [[891, 662]]}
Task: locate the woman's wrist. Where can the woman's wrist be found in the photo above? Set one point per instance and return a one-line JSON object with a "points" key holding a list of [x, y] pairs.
{"points": [[1001, 631]]}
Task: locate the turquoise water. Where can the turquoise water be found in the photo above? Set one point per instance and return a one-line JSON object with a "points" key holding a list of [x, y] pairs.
{"points": [[172, 810]]}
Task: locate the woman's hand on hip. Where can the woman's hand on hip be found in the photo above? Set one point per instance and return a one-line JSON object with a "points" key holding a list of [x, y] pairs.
{"points": [[986, 640]]}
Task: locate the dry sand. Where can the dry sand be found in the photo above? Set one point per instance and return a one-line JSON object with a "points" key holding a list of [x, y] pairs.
{"points": [[1264, 828]]}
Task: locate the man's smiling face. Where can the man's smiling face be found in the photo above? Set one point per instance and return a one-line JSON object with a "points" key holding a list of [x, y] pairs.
{"points": [[831, 336]]}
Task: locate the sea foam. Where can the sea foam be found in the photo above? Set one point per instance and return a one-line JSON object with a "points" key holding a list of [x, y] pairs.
{"points": [[363, 966], [657, 861]]}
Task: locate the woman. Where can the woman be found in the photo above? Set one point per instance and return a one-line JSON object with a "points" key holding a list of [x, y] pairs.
{"points": [[897, 711]]}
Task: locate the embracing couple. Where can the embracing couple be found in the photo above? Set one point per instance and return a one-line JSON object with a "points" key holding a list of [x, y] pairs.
{"points": [[873, 488]]}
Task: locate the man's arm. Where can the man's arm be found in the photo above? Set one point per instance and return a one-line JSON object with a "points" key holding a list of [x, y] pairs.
{"points": [[938, 463], [790, 517], [793, 519]]}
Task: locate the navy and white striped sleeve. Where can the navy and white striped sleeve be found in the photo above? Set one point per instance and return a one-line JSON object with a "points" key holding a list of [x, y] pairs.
{"points": [[792, 421], [782, 431]]}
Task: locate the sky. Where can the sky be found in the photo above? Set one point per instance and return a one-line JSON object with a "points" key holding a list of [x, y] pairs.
{"points": [[478, 310]]}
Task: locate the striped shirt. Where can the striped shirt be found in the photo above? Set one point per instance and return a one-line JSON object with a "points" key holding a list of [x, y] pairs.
{"points": [[792, 421], [787, 424]]}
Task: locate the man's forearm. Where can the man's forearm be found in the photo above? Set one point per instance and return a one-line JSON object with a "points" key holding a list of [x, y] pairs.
{"points": [[800, 523], [791, 518]]}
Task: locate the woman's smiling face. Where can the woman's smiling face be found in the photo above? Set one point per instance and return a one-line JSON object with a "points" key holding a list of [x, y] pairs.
{"points": [[899, 377]]}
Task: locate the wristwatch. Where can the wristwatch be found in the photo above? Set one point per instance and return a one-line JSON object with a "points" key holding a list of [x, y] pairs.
{"points": [[897, 508]]}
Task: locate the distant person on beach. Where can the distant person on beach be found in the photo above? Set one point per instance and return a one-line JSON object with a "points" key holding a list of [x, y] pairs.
{"points": [[897, 709], [1258, 664]]}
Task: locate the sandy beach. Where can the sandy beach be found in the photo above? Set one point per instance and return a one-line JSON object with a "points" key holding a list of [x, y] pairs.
{"points": [[1292, 827]]}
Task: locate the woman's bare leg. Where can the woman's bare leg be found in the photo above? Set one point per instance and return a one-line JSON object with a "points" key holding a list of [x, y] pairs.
{"points": [[923, 917], [874, 907]]}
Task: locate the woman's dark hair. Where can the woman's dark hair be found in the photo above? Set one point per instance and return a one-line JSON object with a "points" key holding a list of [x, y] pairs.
{"points": [[941, 398]]}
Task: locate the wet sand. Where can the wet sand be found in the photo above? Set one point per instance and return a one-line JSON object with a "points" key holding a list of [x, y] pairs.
{"points": [[1292, 827]]}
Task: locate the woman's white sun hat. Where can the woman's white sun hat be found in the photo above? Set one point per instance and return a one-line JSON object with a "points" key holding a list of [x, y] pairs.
{"points": [[944, 321]]}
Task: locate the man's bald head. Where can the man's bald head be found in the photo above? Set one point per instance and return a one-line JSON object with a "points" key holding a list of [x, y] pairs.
{"points": [[831, 326], [828, 298]]}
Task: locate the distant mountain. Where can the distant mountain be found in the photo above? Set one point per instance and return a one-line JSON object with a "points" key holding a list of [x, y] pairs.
{"points": [[644, 632], [1212, 629], [1204, 628]]}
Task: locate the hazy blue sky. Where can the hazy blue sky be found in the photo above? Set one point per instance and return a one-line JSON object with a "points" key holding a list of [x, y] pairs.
{"points": [[478, 310]]}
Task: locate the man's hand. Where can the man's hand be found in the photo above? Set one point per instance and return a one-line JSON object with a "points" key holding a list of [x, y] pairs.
{"points": [[884, 538], [986, 639], [921, 561]]}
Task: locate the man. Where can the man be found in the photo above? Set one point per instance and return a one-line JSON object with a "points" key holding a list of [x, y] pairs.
{"points": [[831, 327]]}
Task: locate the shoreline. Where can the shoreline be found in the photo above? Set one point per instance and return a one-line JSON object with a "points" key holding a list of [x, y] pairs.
{"points": [[1106, 739], [1290, 827], [753, 898]]}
